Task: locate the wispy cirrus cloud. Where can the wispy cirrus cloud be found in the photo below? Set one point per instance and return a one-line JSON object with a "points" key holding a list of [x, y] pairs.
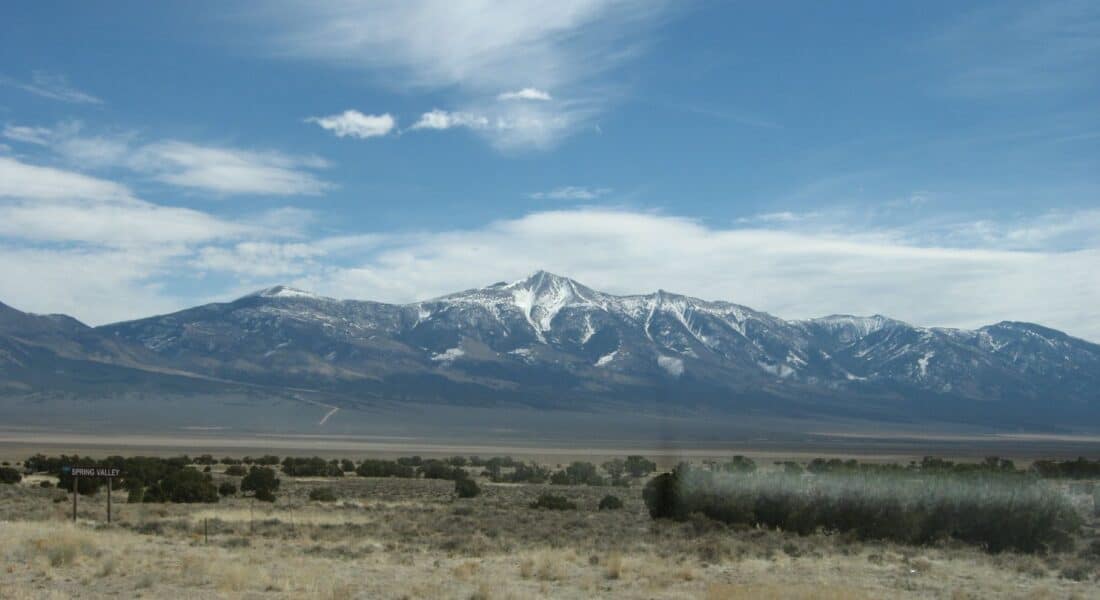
{"points": [[571, 192], [53, 86], [441, 119], [558, 59], [1021, 48], [352, 123], [217, 169], [527, 93]]}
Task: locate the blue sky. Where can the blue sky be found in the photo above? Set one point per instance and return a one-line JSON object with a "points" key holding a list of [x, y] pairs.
{"points": [[934, 161]]}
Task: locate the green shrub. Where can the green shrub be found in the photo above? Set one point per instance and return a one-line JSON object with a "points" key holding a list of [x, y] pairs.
{"points": [[136, 495], [236, 471], [524, 473], [322, 495], [227, 488], [437, 469], [578, 473], [45, 484], [466, 488], [995, 511], [9, 475], [189, 485], [262, 482], [610, 502], [553, 502], [384, 468], [639, 466], [739, 464]]}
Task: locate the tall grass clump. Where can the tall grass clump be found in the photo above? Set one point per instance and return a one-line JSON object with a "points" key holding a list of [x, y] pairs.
{"points": [[995, 512]]}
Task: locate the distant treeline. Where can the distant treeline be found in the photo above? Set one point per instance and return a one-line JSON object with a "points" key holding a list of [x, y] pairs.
{"points": [[154, 479]]}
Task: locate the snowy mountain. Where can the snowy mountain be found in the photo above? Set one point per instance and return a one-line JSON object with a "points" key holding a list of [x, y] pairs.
{"points": [[548, 341]]}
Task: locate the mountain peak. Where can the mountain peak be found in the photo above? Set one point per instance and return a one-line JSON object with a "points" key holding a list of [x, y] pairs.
{"points": [[541, 278], [282, 291]]}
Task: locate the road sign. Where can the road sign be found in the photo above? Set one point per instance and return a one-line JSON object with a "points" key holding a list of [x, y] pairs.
{"points": [[108, 472], [94, 471]]}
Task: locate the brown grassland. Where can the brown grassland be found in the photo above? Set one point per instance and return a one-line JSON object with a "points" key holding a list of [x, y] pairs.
{"points": [[411, 538]]}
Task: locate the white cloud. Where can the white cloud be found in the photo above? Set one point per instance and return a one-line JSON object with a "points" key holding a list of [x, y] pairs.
{"points": [[21, 180], [510, 127], [89, 247], [793, 274], [69, 241], [228, 170], [221, 170], [441, 119], [571, 192], [95, 285], [356, 124], [260, 259], [472, 50], [784, 216], [53, 86], [525, 94], [29, 135]]}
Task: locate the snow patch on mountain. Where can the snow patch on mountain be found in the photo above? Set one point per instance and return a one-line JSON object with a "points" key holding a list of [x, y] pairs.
{"points": [[606, 359], [673, 366], [282, 291], [449, 355], [922, 362], [781, 371]]}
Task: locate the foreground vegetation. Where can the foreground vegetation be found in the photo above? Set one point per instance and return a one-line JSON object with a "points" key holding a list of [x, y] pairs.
{"points": [[428, 534], [994, 511]]}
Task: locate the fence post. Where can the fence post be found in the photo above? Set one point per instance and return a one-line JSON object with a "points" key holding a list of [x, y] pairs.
{"points": [[205, 531], [108, 500]]}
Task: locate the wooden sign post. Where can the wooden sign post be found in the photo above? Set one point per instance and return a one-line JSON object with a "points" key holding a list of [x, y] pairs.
{"points": [[109, 472]]}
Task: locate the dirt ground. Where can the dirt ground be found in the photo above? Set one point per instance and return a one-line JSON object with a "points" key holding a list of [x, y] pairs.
{"points": [[402, 538]]}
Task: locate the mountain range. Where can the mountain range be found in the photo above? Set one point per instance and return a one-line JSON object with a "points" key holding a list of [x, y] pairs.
{"points": [[551, 343]]}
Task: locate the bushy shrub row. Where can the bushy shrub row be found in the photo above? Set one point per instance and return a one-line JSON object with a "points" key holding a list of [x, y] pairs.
{"points": [[437, 469], [1081, 468], [522, 473], [156, 479], [996, 512], [384, 468], [578, 473], [312, 467]]}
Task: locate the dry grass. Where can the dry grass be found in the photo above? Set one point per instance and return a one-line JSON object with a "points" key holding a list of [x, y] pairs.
{"points": [[783, 592], [410, 538]]}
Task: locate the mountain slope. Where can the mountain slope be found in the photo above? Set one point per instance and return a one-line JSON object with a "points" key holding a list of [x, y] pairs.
{"points": [[549, 341]]}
